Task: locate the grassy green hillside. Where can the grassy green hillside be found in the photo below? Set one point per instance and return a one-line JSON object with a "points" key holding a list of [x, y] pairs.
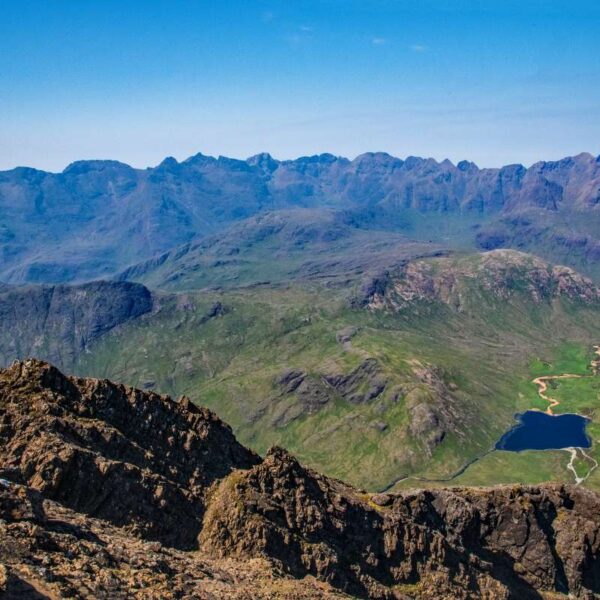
{"points": [[578, 395], [300, 244], [367, 393], [320, 244]]}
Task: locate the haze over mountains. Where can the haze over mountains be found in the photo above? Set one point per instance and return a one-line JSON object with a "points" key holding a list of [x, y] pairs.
{"points": [[383, 320], [364, 314], [97, 218]]}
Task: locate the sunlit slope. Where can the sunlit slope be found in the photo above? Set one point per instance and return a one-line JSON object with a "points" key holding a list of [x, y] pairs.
{"points": [[282, 246], [416, 372]]}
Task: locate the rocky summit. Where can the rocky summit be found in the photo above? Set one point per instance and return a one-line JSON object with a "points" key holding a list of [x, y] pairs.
{"points": [[111, 492], [457, 280]]}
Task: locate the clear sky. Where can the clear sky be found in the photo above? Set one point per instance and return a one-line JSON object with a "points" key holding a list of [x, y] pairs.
{"points": [[491, 81]]}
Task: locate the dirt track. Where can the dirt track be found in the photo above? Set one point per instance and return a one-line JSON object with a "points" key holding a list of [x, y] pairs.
{"points": [[542, 384], [543, 387]]}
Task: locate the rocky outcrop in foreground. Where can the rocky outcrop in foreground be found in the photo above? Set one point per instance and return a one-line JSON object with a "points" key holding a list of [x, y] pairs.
{"points": [[48, 551], [138, 460], [105, 490]]}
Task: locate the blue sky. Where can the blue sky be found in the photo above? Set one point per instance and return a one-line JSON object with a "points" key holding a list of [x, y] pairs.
{"points": [[494, 82]]}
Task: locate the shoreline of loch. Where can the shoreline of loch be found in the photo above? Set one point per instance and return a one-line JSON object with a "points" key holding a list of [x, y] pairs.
{"points": [[542, 384]]}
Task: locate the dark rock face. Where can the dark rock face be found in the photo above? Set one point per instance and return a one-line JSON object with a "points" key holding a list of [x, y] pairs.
{"points": [[135, 459], [313, 391], [93, 473], [460, 543], [290, 380], [49, 551], [352, 386], [58, 322], [97, 217]]}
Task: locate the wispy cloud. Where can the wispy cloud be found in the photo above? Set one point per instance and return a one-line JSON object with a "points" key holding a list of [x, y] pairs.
{"points": [[379, 41], [302, 34], [419, 48]]}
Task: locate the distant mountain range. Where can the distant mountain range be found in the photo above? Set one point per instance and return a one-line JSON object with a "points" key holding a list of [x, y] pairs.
{"points": [[98, 218], [382, 319]]}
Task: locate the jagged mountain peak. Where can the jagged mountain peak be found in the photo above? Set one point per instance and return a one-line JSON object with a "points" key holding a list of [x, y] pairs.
{"points": [[112, 460], [97, 217], [168, 163], [138, 460], [199, 159], [263, 160]]}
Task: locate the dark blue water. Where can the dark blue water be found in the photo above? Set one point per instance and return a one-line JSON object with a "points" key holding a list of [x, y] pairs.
{"points": [[540, 431]]}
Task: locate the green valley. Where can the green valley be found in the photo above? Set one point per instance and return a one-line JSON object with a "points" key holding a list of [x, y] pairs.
{"points": [[413, 374]]}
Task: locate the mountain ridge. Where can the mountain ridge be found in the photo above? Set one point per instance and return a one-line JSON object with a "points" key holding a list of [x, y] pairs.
{"points": [[275, 247], [96, 218], [265, 158], [501, 273], [66, 442]]}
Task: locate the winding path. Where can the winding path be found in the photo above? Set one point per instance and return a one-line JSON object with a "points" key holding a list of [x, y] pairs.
{"points": [[596, 361], [542, 385], [571, 465]]}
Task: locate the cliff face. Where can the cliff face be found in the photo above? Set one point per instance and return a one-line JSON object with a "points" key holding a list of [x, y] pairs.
{"points": [[123, 480], [458, 543], [48, 551], [57, 323], [140, 461]]}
